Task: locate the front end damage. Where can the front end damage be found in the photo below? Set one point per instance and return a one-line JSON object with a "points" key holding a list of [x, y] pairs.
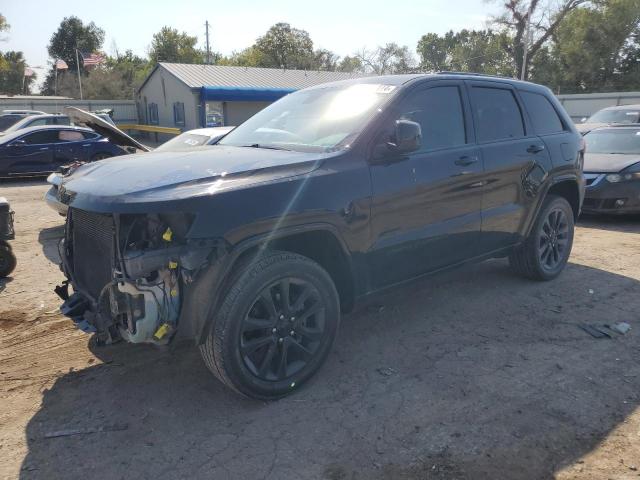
{"points": [[129, 273]]}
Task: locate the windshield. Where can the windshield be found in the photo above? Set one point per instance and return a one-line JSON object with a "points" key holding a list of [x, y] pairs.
{"points": [[320, 119], [7, 121], [624, 141], [183, 141], [615, 116]]}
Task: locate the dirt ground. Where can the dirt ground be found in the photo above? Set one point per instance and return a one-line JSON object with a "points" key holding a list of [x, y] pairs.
{"points": [[471, 374]]}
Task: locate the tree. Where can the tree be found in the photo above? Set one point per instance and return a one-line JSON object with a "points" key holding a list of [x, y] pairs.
{"points": [[72, 35], [387, 59], [12, 79], [481, 51], [4, 25], [169, 45], [595, 48], [350, 64], [285, 47], [543, 20]]}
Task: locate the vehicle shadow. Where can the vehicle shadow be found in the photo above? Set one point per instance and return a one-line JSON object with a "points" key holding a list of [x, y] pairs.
{"points": [[49, 238], [4, 281], [470, 374], [626, 224]]}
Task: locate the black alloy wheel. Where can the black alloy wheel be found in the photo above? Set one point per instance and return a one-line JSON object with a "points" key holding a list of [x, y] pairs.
{"points": [[282, 331], [553, 239]]}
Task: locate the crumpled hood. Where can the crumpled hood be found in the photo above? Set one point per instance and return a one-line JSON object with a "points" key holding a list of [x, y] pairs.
{"points": [[608, 162], [200, 171]]}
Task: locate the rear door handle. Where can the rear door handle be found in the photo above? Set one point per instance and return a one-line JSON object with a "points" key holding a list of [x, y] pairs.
{"points": [[44, 148], [535, 148], [86, 145], [466, 160]]}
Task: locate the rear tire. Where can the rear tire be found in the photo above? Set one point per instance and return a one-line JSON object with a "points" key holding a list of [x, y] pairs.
{"points": [[275, 326], [8, 260], [545, 252]]}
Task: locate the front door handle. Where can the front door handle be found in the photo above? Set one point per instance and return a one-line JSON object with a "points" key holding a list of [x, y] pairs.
{"points": [[466, 160], [44, 148], [535, 148], [86, 145]]}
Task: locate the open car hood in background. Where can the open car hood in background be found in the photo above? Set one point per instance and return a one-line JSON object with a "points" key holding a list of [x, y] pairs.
{"points": [[114, 134]]}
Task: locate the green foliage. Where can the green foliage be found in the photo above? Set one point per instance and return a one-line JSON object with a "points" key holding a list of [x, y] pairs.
{"points": [[12, 79], [169, 45], [387, 59], [595, 48], [284, 47], [482, 51], [72, 35]]}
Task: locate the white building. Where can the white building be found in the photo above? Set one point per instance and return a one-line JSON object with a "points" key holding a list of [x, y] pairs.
{"points": [[191, 96]]}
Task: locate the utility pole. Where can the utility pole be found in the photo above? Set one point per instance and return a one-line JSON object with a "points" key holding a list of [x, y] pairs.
{"points": [[206, 25], [527, 39]]}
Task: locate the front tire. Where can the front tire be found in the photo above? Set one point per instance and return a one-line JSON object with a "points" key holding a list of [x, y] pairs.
{"points": [[275, 326], [545, 252]]}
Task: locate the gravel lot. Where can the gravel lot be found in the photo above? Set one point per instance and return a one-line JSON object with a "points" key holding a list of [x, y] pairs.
{"points": [[467, 375]]}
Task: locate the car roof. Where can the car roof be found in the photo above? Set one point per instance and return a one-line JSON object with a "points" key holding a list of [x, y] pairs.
{"points": [[624, 107], [24, 131], [612, 128], [407, 78]]}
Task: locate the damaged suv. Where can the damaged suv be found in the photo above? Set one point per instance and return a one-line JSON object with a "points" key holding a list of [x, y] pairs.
{"points": [[254, 247]]}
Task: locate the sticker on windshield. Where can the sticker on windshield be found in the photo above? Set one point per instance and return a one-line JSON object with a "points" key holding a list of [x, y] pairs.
{"points": [[632, 113], [385, 88]]}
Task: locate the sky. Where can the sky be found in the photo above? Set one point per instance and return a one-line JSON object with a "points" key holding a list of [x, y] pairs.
{"points": [[342, 26]]}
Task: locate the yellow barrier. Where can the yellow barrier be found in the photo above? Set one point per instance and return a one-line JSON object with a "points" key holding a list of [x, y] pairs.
{"points": [[149, 128]]}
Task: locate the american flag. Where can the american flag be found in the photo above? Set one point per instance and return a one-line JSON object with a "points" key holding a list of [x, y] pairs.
{"points": [[91, 59], [61, 65]]}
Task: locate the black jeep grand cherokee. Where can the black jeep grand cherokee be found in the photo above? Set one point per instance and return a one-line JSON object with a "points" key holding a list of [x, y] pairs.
{"points": [[253, 247]]}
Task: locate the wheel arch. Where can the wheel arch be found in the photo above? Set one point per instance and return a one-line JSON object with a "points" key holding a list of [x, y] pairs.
{"points": [[567, 187], [319, 242]]}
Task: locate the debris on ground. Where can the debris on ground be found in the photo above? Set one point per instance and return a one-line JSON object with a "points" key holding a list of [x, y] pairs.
{"points": [[86, 431], [386, 371], [621, 327], [595, 332]]}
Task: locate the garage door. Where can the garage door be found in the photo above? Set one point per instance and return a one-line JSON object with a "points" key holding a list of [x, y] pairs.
{"points": [[238, 112]]}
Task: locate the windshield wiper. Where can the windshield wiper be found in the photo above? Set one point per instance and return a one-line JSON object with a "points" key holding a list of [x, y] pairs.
{"points": [[269, 147]]}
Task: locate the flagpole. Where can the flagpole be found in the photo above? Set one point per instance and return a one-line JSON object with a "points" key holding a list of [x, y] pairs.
{"points": [[55, 83], [79, 80]]}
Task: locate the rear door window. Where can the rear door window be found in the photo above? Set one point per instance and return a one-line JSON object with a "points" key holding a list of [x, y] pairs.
{"points": [[70, 136], [544, 117], [438, 110], [497, 114], [41, 138]]}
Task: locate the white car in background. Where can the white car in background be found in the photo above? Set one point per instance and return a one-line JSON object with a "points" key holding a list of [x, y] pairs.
{"points": [[194, 138], [618, 115]]}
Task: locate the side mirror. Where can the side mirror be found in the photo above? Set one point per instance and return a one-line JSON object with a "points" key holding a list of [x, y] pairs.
{"points": [[18, 143], [408, 137]]}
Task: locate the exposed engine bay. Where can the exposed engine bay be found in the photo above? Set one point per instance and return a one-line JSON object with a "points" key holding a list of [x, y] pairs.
{"points": [[128, 273]]}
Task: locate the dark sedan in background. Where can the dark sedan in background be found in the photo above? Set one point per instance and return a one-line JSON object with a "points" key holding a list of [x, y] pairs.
{"points": [[39, 150], [612, 170]]}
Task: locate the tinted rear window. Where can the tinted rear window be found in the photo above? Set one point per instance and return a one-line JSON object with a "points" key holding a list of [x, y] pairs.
{"points": [[544, 117], [497, 112], [7, 121]]}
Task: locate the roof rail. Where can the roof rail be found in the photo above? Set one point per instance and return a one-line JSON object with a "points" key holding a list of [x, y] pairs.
{"points": [[473, 74]]}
